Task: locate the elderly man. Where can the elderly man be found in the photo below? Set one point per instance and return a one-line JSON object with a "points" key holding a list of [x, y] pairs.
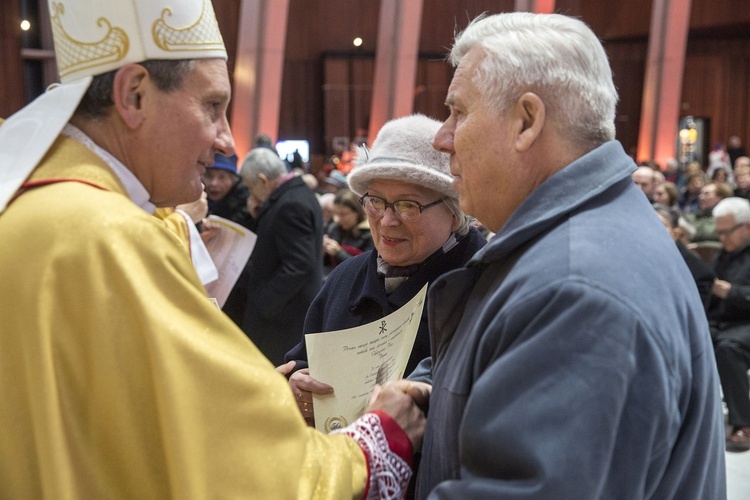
{"points": [[555, 375], [118, 377], [645, 178], [285, 270], [729, 315]]}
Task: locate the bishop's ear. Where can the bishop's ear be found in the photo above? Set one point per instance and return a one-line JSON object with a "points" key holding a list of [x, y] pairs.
{"points": [[128, 91], [531, 113]]}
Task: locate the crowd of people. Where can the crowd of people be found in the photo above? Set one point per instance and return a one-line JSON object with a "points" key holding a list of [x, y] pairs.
{"points": [[709, 219], [694, 192], [538, 371]]}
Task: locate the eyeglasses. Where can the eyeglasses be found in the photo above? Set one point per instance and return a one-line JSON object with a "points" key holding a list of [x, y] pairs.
{"points": [[727, 232], [406, 210]]}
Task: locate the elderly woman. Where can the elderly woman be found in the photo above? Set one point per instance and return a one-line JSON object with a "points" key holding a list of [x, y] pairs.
{"points": [[227, 196], [419, 233]]}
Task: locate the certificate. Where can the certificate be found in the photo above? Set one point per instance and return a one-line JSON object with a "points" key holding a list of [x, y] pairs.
{"points": [[230, 249], [352, 361]]}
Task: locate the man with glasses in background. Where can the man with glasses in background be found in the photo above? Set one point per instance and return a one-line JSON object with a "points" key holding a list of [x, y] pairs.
{"points": [[729, 315]]}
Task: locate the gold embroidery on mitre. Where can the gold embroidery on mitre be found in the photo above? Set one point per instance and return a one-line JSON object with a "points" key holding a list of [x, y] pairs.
{"points": [[203, 34], [75, 55]]}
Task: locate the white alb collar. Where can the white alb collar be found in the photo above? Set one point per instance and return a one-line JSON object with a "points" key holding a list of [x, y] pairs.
{"points": [[133, 186]]}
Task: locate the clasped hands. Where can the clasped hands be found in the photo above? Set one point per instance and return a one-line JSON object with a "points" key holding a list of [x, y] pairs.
{"points": [[721, 288], [404, 400], [330, 246]]}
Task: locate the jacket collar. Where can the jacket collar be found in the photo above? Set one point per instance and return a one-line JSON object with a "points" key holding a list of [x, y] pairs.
{"points": [[575, 185], [369, 286]]}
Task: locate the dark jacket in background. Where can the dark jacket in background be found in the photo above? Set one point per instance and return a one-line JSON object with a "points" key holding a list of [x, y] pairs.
{"points": [[735, 309], [284, 272], [702, 272]]}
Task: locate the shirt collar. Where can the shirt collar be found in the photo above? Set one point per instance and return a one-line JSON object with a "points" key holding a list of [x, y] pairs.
{"points": [[136, 192]]}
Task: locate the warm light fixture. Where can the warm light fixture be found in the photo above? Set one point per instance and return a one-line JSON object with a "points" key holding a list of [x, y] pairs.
{"points": [[25, 25], [357, 42]]}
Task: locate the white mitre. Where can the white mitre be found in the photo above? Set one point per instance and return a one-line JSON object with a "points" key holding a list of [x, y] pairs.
{"points": [[93, 37]]}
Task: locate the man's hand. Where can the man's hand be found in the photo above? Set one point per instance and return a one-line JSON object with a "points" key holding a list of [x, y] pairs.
{"points": [[197, 210], [721, 288], [404, 400], [209, 230], [303, 387]]}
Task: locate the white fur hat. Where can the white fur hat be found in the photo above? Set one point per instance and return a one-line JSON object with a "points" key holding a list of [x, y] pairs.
{"points": [[403, 151]]}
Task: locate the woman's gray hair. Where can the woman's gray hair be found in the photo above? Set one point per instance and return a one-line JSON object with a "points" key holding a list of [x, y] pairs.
{"points": [[465, 221], [167, 75], [739, 208], [557, 57], [262, 161]]}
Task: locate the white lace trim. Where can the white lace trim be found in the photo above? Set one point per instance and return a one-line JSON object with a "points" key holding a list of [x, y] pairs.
{"points": [[389, 473]]}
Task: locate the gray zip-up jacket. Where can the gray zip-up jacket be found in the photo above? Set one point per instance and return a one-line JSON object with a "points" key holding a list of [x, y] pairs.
{"points": [[571, 357]]}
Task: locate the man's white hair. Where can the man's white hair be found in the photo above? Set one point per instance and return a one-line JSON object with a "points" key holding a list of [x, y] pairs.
{"points": [[262, 161], [557, 57], [739, 208]]}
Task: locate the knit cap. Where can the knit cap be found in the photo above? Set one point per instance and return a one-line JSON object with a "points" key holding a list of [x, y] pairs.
{"points": [[403, 151], [228, 163]]}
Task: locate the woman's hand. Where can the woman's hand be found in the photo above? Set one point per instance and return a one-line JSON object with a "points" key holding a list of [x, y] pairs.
{"points": [[303, 387], [330, 246]]}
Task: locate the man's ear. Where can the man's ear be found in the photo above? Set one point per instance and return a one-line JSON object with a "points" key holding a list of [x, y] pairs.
{"points": [[127, 93], [531, 113]]}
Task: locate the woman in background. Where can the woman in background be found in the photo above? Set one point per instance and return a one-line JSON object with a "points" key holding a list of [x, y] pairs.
{"points": [[349, 235]]}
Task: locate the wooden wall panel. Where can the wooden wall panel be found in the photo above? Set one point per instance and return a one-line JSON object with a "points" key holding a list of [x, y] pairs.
{"points": [[617, 20], [362, 76], [336, 98], [704, 95], [628, 61], [716, 85], [11, 65], [301, 102], [441, 18], [321, 28], [433, 79], [711, 14], [227, 13]]}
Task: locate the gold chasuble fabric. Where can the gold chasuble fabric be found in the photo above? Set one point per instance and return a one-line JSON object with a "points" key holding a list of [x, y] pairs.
{"points": [[175, 223], [119, 379]]}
